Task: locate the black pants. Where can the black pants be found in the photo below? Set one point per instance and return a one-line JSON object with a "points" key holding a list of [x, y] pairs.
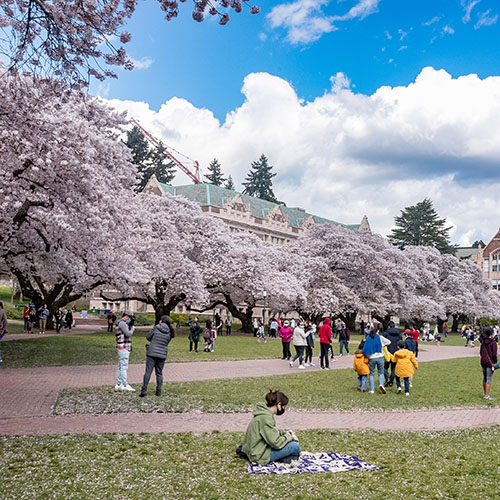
{"points": [[195, 342], [309, 355], [157, 364], [286, 350], [110, 327], [325, 363], [392, 375], [299, 349], [228, 329]]}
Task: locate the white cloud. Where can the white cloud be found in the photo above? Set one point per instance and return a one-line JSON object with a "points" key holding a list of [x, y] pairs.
{"points": [[435, 19], [305, 20], [468, 5], [143, 63], [448, 30], [347, 154], [486, 19]]}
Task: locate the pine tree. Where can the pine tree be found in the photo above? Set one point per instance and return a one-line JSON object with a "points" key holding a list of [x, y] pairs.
{"points": [[229, 183], [259, 181], [215, 176], [420, 225], [163, 168], [149, 160]]}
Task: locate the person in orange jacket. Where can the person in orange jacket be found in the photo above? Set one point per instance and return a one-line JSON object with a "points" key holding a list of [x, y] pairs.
{"points": [[405, 361], [360, 365]]}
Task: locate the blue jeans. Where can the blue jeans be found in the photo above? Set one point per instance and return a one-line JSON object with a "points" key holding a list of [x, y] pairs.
{"points": [[291, 448], [362, 380], [342, 344], [407, 383], [121, 372], [379, 363], [212, 345]]}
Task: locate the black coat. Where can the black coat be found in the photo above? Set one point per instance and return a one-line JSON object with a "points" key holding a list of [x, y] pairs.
{"points": [[394, 335], [159, 337]]}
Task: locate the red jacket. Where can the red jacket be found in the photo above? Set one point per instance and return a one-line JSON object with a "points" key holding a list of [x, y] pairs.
{"points": [[325, 332], [414, 335]]}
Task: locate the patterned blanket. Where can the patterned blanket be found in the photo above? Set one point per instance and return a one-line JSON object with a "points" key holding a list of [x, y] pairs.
{"points": [[313, 462]]}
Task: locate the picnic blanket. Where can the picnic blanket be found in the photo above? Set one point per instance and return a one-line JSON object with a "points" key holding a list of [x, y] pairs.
{"points": [[313, 462]]}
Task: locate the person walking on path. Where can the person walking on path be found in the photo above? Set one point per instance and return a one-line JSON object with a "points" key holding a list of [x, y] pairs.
{"points": [[299, 340], [43, 315], [123, 347], [26, 317], [310, 344], [286, 334], [156, 353], [405, 361], [3, 327], [373, 351], [264, 442], [261, 335], [344, 338], [194, 334], [393, 334], [325, 340], [488, 353]]}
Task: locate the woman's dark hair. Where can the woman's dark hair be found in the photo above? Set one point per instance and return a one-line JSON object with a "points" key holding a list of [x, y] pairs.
{"points": [[401, 344], [275, 397], [487, 332], [208, 324], [168, 320], [373, 332]]}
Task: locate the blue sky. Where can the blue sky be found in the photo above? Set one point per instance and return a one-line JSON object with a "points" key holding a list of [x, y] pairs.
{"points": [[347, 97], [206, 63]]}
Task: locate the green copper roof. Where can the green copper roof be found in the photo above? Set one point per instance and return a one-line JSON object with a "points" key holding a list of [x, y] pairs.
{"points": [[217, 196]]}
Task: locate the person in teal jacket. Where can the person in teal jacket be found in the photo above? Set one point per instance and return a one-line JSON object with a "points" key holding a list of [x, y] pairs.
{"points": [[264, 442]]}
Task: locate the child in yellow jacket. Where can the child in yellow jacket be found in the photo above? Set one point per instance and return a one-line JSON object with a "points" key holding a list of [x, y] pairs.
{"points": [[405, 361], [360, 365]]}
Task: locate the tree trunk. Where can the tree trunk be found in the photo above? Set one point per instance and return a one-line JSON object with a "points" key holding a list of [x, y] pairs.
{"points": [[384, 320], [440, 323], [349, 318]]}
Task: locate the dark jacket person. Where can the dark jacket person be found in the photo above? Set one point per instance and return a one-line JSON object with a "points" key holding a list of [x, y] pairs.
{"points": [[156, 353]]}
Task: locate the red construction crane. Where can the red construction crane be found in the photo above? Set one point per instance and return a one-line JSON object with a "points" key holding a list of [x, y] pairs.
{"points": [[194, 176]]}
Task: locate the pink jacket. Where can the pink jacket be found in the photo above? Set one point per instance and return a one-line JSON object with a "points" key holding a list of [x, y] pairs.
{"points": [[286, 333]]}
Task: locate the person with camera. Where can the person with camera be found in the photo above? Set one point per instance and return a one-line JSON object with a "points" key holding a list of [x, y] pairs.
{"points": [[124, 329]]}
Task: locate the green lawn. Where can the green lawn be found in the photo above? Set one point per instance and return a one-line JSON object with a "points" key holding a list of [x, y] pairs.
{"points": [[459, 464], [99, 348], [450, 383]]}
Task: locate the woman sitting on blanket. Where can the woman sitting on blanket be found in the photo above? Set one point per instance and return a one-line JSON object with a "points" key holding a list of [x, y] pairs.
{"points": [[264, 442]]}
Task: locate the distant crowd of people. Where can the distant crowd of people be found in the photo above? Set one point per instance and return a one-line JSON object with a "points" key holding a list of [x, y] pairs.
{"points": [[63, 318]]}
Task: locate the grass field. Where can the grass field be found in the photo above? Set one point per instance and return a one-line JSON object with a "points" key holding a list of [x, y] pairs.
{"points": [[435, 386], [452, 465]]}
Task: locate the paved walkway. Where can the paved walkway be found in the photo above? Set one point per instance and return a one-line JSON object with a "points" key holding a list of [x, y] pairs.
{"points": [[27, 396]]}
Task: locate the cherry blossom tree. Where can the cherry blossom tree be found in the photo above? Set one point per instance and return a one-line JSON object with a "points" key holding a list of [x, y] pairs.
{"points": [[75, 39], [64, 172]]}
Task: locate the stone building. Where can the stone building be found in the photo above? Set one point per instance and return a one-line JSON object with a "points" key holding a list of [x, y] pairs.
{"points": [[272, 222], [488, 259]]}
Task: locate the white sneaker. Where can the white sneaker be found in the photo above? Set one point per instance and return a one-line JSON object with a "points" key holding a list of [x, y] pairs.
{"points": [[407, 393], [302, 367], [128, 387], [307, 364], [312, 364], [118, 387], [291, 364], [371, 392]]}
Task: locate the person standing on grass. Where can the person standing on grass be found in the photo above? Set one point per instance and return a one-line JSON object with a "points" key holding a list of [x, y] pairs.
{"points": [[415, 336], [255, 327], [3, 327], [43, 315], [488, 353], [299, 340], [405, 361], [264, 442], [111, 320], [229, 323], [261, 335], [373, 351], [325, 340], [194, 334], [286, 334], [310, 344], [273, 328], [344, 338], [156, 353], [360, 366], [393, 334], [123, 336]]}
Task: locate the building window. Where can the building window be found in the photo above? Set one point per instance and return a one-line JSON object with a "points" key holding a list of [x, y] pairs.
{"points": [[486, 265], [494, 264], [495, 284]]}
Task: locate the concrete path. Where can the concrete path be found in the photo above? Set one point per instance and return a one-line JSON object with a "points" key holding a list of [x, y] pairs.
{"points": [[27, 396]]}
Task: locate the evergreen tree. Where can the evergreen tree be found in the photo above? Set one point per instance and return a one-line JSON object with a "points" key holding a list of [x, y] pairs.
{"points": [[259, 181], [215, 176], [149, 160], [420, 225], [229, 183], [161, 166]]}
